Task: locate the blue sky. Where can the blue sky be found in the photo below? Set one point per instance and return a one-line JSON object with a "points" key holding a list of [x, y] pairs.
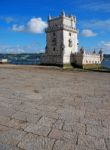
{"points": [[22, 23]]}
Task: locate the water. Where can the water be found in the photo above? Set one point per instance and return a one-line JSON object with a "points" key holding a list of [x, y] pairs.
{"points": [[25, 62], [106, 63], [22, 59], [34, 59]]}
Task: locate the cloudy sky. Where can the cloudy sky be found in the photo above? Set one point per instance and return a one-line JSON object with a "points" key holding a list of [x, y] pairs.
{"points": [[22, 23]]}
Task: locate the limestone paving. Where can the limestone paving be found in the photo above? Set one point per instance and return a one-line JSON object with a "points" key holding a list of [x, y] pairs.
{"points": [[54, 109]]}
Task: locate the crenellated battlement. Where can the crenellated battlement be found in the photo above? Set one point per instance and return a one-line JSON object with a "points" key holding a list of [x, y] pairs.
{"points": [[62, 15]]}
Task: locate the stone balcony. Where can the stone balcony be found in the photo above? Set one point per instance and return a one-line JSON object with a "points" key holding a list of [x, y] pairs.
{"points": [[60, 27]]}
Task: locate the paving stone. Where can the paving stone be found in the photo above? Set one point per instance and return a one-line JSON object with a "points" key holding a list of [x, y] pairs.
{"points": [[107, 141], [62, 135], [27, 117], [70, 114], [8, 147], [47, 107], [58, 124], [70, 136], [90, 121], [83, 147], [74, 127], [56, 134], [62, 145], [7, 112], [45, 121], [34, 96], [91, 143], [4, 120], [27, 109], [38, 129], [17, 124], [32, 142], [97, 131], [50, 114], [106, 123], [10, 136], [6, 104]]}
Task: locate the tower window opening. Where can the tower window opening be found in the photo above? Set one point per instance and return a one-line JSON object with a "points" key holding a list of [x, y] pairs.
{"points": [[70, 43], [54, 34], [54, 49], [69, 34], [54, 42]]}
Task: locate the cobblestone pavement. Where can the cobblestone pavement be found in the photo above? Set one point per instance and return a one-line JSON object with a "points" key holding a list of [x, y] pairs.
{"points": [[47, 109]]}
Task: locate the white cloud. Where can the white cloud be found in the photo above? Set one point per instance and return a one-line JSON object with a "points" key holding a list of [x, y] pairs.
{"points": [[34, 25], [18, 28], [107, 44], [88, 33]]}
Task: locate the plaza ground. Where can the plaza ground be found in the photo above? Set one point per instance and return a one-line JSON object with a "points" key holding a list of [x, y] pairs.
{"points": [[53, 109]]}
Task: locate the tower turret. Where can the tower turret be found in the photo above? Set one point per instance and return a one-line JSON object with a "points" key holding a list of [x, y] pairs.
{"points": [[94, 52], [63, 14], [49, 17], [101, 54]]}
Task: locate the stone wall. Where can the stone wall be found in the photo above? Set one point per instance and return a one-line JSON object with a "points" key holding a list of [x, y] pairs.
{"points": [[52, 60], [91, 59], [81, 59]]}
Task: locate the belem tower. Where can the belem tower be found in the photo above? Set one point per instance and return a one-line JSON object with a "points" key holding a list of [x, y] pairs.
{"points": [[62, 44]]}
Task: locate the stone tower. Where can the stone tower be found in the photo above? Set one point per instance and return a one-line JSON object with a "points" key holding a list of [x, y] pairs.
{"points": [[61, 40]]}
